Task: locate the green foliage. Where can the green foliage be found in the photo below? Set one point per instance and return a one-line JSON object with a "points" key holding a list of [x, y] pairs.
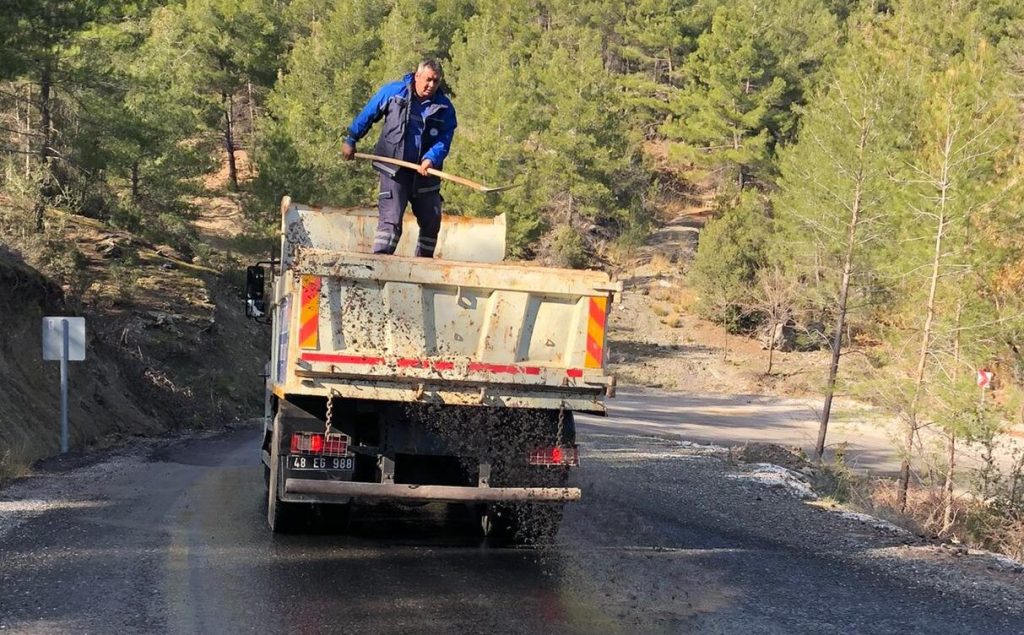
{"points": [[961, 202], [328, 80], [546, 116], [733, 248], [836, 196], [742, 83], [569, 248]]}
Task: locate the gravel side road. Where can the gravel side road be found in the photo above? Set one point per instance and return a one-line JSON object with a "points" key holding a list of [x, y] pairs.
{"points": [[170, 536]]}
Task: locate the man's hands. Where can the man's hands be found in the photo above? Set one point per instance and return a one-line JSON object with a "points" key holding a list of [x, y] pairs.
{"points": [[348, 153]]}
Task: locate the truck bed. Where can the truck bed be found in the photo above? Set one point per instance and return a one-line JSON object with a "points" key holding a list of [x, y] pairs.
{"points": [[436, 331]]}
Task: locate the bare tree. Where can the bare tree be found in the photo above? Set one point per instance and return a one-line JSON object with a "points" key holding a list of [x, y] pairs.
{"points": [[774, 297]]}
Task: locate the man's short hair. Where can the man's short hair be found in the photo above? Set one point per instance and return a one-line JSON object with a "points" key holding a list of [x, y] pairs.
{"points": [[432, 64]]}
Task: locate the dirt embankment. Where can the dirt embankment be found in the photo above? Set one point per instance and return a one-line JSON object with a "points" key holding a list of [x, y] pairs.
{"points": [[168, 345], [30, 392]]}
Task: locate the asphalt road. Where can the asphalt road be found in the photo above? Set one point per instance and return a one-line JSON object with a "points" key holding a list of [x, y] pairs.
{"points": [[172, 538]]}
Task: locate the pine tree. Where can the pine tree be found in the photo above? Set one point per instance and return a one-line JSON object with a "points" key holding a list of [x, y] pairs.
{"points": [[329, 77], [835, 193], [230, 45], [496, 103], [733, 250], [405, 40], [742, 83], [38, 37], [965, 136], [537, 106]]}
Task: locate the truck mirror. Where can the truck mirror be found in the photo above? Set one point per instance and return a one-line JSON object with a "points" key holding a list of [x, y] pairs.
{"points": [[255, 304]]}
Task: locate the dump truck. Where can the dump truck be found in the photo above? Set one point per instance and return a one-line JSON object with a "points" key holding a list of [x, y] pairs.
{"points": [[416, 380]]}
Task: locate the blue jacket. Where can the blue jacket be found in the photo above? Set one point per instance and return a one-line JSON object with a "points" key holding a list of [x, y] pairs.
{"points": [[398, 138]]}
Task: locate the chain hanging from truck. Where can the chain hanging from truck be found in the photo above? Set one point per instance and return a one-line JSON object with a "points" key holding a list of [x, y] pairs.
{"points": [[561, 425], [330, 411]]}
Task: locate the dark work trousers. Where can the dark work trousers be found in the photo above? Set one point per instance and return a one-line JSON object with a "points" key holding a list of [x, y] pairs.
{"points": [[395, 192]]}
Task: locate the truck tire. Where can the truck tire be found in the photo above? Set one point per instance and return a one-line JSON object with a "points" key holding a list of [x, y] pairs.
{"points": [[281, 516]]}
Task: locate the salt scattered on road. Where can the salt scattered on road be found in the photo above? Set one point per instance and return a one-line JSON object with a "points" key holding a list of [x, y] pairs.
{"points": [[877, 523], [777, 477]]}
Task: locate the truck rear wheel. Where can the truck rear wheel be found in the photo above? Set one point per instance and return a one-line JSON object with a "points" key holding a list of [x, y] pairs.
{"points": [[281, 516]]}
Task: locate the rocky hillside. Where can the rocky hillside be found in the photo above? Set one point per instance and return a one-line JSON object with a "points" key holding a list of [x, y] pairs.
{"points": [[168, 345]]}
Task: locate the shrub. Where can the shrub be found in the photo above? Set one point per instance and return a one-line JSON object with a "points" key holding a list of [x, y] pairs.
{"points": [[569, 249], [731, 250]]}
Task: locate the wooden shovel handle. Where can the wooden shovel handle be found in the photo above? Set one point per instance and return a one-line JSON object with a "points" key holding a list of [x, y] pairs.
{"points": [[438, 173]]}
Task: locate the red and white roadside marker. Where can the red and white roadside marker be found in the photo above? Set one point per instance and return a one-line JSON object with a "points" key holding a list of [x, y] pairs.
{"points": [[985, 379]]}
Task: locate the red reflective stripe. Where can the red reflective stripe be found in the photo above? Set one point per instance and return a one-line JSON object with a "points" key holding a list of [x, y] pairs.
{"points": [[341, 359], [597, 312], [474, 367], [595, 349], [308, 330], [310, 288], [509, 369], [574, 372], [425, 363]]}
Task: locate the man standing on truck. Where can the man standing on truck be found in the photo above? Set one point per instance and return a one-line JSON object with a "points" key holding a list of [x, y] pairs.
{"points": [[419, 123]]}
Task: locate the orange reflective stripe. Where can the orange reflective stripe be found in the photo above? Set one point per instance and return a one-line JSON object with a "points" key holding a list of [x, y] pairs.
{"points": [[309, 317], [595, 332]]}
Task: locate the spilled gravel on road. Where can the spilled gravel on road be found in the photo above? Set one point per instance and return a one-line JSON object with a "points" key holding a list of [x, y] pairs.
{"points": [[769, 504], [33, 496]]}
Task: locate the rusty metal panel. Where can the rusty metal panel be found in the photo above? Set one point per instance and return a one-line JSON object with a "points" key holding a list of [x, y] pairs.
{"points": [[353, 230], [503, 276]]}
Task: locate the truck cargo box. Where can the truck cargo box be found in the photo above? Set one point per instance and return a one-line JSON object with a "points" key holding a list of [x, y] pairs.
{"points": [[437, 331]]}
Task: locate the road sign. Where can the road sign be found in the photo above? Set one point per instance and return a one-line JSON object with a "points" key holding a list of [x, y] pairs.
{"points": [[53, 338], [64, 340], [985, 378]]}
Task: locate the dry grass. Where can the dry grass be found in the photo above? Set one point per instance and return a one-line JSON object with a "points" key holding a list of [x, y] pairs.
{"points": [[973, 523], [661, 262], [663, 294], [660, 310], [674, 320], [11, 467]]}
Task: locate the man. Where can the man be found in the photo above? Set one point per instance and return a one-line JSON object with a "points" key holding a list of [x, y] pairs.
{"points": [[419, 122]]}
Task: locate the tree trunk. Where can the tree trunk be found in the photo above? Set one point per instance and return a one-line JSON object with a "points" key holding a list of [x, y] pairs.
{"points": [[229, 140], [926, 332], [135, 182], [771, 347], [947, 489], [44, 150], [844, 291], [28, 131], [252, 119]]}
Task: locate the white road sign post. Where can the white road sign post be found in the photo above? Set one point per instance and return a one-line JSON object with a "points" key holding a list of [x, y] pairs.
{"points": [[64, 340], [984, 382]]}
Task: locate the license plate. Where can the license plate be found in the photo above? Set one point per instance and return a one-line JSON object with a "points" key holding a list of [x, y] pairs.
{"points": [[341, 463]]}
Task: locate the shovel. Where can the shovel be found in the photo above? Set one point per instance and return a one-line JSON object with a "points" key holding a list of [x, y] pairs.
{"points": [[438, 173]]}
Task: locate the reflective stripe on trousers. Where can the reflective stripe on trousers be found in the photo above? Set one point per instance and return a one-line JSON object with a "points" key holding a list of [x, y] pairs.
{"points": [[394, 194]]}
